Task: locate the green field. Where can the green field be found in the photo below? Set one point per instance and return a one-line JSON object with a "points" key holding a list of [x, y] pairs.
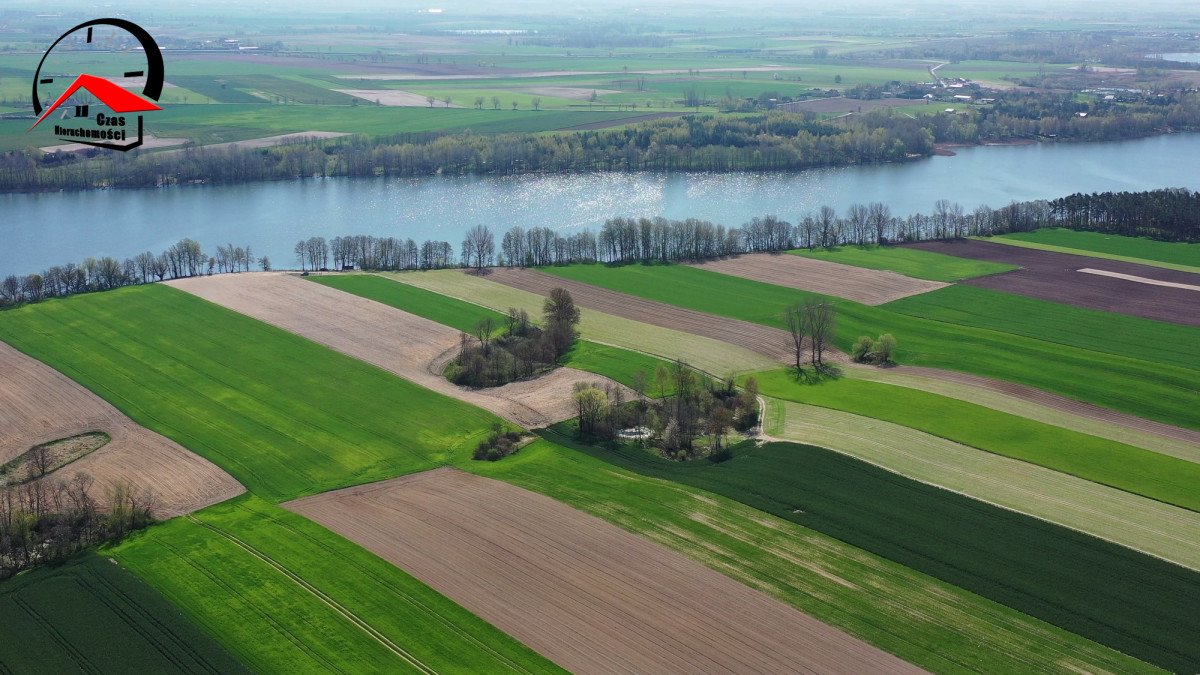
{"points": [[907, 261], [92, 615], [1121, 517], [1159, 391], [1094, 588], [286, 595], [283, 415], [1172, 255], [1090, 329], [1167, 479]]}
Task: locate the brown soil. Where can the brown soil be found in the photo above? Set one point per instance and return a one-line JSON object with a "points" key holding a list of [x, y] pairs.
{"points": [[40, 405], [409, 346], [870, 287], [775, 343], [396, 98], [582, 592], [771, 342], [1055, 276]]}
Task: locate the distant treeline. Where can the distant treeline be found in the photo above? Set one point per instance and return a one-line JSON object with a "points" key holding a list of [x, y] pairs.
{"points": [[775, 141], [1167, 215]]}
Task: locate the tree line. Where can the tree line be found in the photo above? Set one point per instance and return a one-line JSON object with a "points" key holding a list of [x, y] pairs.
{"points": [[182, 259], [43, 521], [773, 141]]}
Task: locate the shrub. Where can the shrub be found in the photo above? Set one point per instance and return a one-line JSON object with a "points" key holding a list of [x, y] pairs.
{"points": [[861, 351]]}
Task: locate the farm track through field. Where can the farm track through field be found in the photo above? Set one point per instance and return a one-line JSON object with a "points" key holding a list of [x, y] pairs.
{"points": [[326, 599], [404, 344], [1056, 277], [584, 593], [38, 404], [774, 343], [870, 287], [1142, 524]]}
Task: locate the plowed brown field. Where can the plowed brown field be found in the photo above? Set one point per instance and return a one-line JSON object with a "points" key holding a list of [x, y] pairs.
{"points": [[1056, 276], [38, 404], [582, 592], [774, 343], [870, 287], [410, 346]]}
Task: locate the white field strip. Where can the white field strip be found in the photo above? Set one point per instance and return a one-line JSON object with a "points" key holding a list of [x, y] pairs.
{"points": [[1140, 523], [1140, 280]]}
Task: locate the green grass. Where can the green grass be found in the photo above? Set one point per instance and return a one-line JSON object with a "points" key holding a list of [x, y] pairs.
{"points": [[1155, 390], [1150, 474], [283, 415], [1132, 602], [1174, 255], [924, 620], [1107, 332], [92, 615], [907, 261], [263, 580], [618, 364], [242, 121]]}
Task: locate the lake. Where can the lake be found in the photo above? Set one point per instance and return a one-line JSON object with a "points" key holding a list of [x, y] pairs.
{"points": [[1179, 57], [40, 230]]}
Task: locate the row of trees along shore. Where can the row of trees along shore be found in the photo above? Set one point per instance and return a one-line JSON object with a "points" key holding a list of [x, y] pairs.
{"points": [[774, 141], [1168, 215]]}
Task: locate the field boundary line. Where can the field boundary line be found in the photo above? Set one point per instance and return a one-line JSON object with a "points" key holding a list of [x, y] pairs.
{"points": [[320, 595], [1054, 248]]}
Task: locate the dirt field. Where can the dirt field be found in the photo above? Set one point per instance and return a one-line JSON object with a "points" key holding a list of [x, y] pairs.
{"points": [[38, 404], [870, 287], [409, 346], [1056, 276], [394, 97], [771, 342], [582, 592]]}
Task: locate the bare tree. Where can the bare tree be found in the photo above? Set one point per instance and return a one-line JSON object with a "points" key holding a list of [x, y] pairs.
{"points": [[794, 318], [819, 321], [478, 247], [483, 332]]}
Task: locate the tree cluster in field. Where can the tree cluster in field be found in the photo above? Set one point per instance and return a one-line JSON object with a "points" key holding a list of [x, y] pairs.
{"points": [[43, 521], [693, 421], [810, 324], [182, 259], [880, 351], [500, 443], [774, 141], [366, 252], [522, 350]]}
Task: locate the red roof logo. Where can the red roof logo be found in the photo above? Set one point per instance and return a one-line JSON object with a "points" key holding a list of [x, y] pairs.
{"points": [[116, 98]]}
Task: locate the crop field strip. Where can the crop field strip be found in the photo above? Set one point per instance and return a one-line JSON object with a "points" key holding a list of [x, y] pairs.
{"points": [[1055, 276], [1168, 479], [93, 616], [926, 621], [1159, 391], [707, 354], [586, 594], [285, 416], [1127, 600], [1142, 524], [404, 344], [39, 405], [285, 594], [870, 287], [614, 363], [910, 262], [715, 357], [1179, 256]]}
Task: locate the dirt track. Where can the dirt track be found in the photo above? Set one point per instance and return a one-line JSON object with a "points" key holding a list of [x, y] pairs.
{"points": [[582, 592], [409, 346], [38, 404], [870, 287], [774, 343], [1055, 276]]}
